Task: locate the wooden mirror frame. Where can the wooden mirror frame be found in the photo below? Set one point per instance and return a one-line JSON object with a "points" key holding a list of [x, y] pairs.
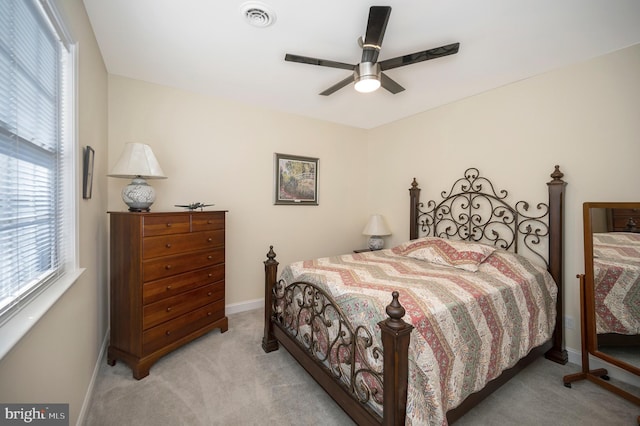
{"points": [[588, 312], [590, 280]]}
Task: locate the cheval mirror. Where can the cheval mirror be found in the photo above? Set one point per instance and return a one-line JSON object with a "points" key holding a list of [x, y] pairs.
{"points": [[610, 293]]}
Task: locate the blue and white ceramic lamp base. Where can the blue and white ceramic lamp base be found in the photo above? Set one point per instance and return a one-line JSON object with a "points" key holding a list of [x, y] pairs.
{"points": [[376, 242], [138, 195]]}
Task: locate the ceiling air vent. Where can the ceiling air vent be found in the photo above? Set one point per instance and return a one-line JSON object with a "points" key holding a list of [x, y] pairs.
{"points": [[257, 14]]}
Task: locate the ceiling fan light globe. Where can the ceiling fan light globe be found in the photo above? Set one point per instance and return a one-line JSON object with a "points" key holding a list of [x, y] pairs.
{"points": [[367, 84]]}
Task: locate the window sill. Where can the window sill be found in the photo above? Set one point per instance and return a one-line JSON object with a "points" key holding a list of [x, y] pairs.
{"points": [[22, 321]]}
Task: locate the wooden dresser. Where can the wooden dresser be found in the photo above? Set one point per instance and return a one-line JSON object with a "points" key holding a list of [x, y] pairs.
{"points": [[167, 283], [627, 220]]}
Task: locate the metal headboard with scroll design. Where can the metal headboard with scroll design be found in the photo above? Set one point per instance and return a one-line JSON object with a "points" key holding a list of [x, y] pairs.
{"points": [[474, 210]]}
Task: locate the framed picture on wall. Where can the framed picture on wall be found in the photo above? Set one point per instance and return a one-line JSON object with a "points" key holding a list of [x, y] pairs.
{"points": [[87, 172], [296, 180]]}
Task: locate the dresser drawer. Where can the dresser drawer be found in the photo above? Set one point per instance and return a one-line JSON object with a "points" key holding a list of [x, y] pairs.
{"points": [[172, 307], [166, 224], [167, 245], [620, 223], [158, 337], [626, 212], [207, 221], [168, 287], [623, 219], [163, 267]]}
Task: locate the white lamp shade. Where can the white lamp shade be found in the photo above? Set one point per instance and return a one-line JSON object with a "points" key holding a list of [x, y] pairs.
{"points": [[137, 159], [376, 226]]}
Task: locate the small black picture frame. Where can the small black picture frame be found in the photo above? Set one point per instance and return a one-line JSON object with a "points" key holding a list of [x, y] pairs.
{"points": [[296, 180], [87, 172]]}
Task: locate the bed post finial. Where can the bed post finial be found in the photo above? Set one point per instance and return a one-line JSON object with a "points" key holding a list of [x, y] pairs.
{"points": [[557, 352], [269, 342], [395, 311], [395, 345], [557, 175], [271, 255]]}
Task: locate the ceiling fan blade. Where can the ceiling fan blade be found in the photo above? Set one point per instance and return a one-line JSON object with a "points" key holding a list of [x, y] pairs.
{"points": [[337, 86], [425, 55], [376, 26], [389, 84], [320, 62]]}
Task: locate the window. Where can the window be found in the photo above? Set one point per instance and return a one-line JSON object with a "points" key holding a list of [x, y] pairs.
{"points": [[37, 190]]}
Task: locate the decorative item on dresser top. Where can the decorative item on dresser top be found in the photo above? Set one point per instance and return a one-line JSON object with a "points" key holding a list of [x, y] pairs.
{"points": [[621, 219], [167, 283], [138, 163], [194, 206], [480, 279]]}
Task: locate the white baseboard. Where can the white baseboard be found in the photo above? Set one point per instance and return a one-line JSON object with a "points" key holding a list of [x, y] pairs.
{"points": [[613, 371], [249, 305], [92, 383]]}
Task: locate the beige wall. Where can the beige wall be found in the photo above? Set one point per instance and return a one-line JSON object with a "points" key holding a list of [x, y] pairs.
{"points": [[55, 361], [220, 152], [583, 118]]}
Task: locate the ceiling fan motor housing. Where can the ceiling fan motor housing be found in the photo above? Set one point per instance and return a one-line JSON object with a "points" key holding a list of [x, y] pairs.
{"points": [[367, 76]]}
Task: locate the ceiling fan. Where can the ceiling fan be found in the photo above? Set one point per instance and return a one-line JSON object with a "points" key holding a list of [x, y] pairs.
{"points": [[368, 75]]}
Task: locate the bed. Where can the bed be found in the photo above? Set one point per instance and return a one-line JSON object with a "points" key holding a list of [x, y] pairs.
{"points": [[616, 263], [421, 332]]}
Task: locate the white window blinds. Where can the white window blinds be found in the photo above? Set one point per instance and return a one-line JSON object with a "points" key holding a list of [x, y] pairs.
{"points": [[35, 170]]}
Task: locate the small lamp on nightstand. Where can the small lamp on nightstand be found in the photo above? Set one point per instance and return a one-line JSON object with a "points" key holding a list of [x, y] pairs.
{"points": [[137, 162], [376, 227]]}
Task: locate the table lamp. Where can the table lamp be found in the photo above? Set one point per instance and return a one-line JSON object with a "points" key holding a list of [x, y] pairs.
{"points": [[376, 227], [138, 163]]}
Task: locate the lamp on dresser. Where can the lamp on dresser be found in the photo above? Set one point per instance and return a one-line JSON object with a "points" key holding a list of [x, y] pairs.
{"points": [[138, 163], [376, 228]]}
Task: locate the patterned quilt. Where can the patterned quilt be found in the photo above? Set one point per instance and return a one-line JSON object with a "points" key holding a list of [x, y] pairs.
{"points": [[616, 260], [476, 310]]}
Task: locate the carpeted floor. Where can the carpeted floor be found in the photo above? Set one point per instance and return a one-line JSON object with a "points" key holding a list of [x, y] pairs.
{"points": [[226, 379]]}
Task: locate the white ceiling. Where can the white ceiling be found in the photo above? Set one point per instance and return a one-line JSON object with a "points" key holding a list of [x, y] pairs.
{"points": [[207, 46]]}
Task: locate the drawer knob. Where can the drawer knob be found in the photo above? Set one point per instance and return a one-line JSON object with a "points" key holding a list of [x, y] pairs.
{"points": [[209, 314], [209, 239], [169, 225], [209, 294], [168, 287], [168, 332], [168, 245], [210, 275], [167, 267], [209, 257], [169, 309], [209, 222]]}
